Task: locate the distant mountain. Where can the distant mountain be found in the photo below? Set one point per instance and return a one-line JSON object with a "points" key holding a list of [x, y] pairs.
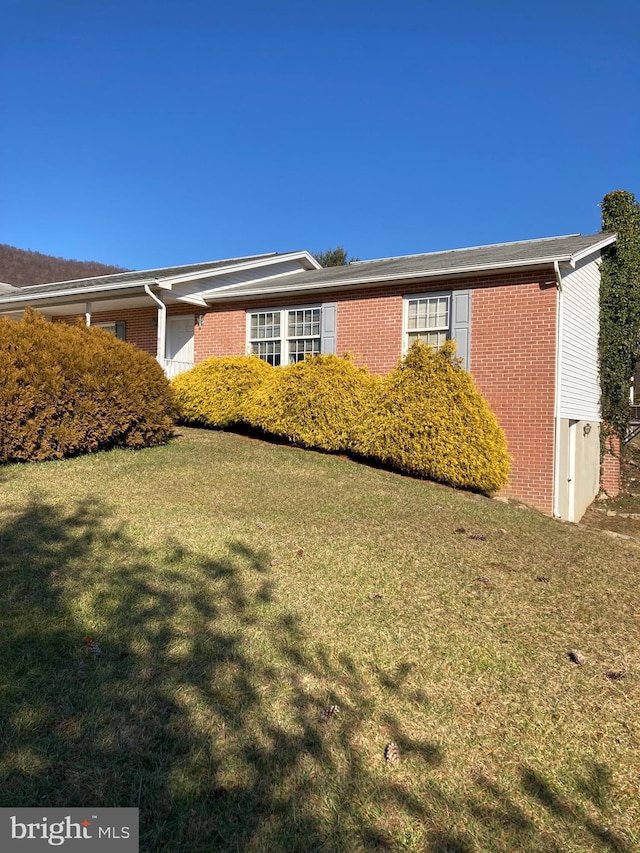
{"points": [[22, 267]]}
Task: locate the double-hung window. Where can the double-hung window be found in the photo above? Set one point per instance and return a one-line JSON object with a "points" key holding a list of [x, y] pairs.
{"points": [[436, 317], [428, 319], [285, 335], [265, 339]]}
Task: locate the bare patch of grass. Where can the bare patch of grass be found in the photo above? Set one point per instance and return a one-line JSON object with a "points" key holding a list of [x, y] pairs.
{"points": [[239, 589], [621, 514]]}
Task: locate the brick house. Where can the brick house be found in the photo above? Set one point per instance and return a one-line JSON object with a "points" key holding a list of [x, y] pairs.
{"points": [[524, 316]]}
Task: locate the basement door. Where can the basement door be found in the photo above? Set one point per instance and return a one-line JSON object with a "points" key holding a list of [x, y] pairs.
{"points": [[572, 452], [179, 344]]}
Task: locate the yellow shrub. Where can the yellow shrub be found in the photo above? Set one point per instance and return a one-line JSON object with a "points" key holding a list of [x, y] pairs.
{"points": [[315, 403], [215, 392], [429, 419], [66, 390]]}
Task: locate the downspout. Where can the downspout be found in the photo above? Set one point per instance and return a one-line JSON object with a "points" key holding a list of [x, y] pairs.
{"points": [[162, 325], [557, 425]]}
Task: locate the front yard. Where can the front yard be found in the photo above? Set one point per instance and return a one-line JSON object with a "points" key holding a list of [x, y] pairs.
{"points": [[239, 589]]}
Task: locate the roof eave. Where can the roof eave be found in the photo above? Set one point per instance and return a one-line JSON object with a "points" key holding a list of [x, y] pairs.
{"points": [[78, 294], [136, 285], [593, 248], [218, 272], [379, 279]]}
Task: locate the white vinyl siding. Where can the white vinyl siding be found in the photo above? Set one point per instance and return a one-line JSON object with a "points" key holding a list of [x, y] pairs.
{"points": [[579, 374], [253, 276]]}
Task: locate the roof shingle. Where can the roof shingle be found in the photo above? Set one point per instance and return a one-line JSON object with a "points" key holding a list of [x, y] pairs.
{"points": [[496, 256]]}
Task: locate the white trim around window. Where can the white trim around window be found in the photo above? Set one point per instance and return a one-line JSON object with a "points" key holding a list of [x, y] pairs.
{"points": [[284, 335], [426, 317], [108, 327]]}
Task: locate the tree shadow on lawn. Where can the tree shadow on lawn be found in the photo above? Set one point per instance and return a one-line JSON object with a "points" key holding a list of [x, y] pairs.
{"points": [[204, 709]]}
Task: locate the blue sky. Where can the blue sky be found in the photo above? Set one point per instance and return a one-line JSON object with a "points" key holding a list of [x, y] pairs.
{"points": [[145, 133]]}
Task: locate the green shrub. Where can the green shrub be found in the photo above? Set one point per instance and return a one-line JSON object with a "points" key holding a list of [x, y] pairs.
{"points": [[215, 392], [428, 419], [314, 403], [66, 390]]}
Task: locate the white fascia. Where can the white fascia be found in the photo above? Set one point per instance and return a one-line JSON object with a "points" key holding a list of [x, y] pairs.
{"points": [[591, 250], [191, 300], [248, 265], [80, 293]]}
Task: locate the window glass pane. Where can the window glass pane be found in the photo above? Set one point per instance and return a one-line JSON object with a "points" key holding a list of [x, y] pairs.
{"points": [[303, 332], [428, 313], [417, 314], [301, 347], [268, 351], [267, 339], [433, 339], [442, 312], [303, 322], [265, 325]]}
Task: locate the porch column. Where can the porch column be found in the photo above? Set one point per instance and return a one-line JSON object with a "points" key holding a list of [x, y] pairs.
{"points": [[87, 313]]}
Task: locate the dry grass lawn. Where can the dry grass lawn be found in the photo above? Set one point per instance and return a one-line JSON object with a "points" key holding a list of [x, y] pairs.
{"points": [[238, 589]]}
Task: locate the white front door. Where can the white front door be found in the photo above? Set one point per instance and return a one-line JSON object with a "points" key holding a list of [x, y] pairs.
{"points": [[179, 345]]}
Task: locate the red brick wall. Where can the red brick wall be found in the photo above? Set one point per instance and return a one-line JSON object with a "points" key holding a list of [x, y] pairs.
{"points": [[513, 339], [224, 332], [140, 324], [370, 327], [611, 475]]}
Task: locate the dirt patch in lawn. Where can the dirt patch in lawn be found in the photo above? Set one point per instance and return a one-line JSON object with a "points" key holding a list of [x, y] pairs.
{"points": [[621, 514]]}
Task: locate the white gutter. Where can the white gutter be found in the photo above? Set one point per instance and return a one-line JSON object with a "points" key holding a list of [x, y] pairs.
{"points": [[558, 379], [162, 325], [24, 293], [368, 280]]}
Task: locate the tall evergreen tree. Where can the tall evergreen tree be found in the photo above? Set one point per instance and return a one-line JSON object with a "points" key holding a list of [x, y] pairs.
{"points": [[619, 348]]}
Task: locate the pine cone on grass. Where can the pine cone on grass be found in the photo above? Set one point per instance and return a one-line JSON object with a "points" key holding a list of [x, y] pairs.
{"points": [[392, 753], [93, 647]]}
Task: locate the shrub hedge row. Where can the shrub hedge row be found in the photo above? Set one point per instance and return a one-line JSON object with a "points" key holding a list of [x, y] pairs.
{"points": [[429, 419], [215, 392], [66, 390], [425, 418], [317, 402]]}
